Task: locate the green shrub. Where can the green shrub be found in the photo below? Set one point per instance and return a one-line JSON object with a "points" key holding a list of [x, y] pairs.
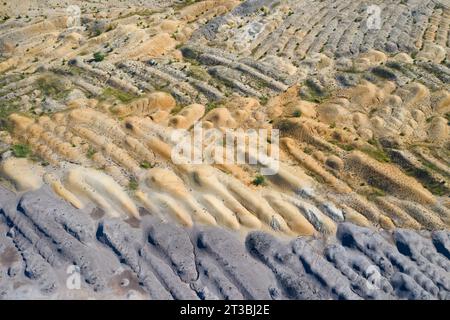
{"points": [[259, 180], [21, 150], [146, 165], [53, 87], [133, 184], [123, 96], [297, 113], [99, 56], [263, 100], [90, 153], [210, 106], [378, 154]]}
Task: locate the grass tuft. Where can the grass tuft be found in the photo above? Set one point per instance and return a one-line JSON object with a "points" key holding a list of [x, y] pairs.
{"points": [[120, 95], [146, 165], [99, 56], [133, 184], [259, 180], [21, 150]]}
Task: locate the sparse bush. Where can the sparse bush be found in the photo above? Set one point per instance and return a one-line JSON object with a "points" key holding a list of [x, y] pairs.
{"points": [[52, 87], [265, 11], [375, 193], [90, 153], [210, 106], [133, 184], [146, 165], [384, 73], [263, 100], [120, 95], [21, 150], [99, 56], [259, 180], [377, 154]]}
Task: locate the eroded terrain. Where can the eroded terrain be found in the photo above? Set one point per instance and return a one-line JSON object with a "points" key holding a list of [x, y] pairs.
{"points": [[89, 104]]}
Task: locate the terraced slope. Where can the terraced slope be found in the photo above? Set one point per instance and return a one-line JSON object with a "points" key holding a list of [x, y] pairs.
{"points": [[89, 115], [119, 158], [295, 29]]}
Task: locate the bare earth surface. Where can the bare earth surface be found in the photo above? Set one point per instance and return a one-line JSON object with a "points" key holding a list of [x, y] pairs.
{"points": [[91, 93]]}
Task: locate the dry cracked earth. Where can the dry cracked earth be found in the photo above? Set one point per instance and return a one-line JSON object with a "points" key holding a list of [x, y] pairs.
{"points": [[89, 100]]}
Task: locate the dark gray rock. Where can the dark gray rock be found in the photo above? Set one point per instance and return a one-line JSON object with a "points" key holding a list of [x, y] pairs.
{"points": [[175, 244], [251, 278]]}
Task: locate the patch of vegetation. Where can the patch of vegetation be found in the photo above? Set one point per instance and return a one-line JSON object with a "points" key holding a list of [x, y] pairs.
{"points": [[255, 49], [433, 167], [427, 180], [297, 114], [52, 87], [313, 98], [189, 56], [6, 109], [177, 109], [211, 106], [430, 165], [384, 73], [198, 73], [308, 150], [90, 153], [141, 13], [394, 65], [375, 193], [378, 154], [4, 19], [352, 69], [120, 95], [286, 125], [259, 84], [74, 70], [429, 119], [437, 6], [111, 27], [314, 87], [344, 146], [259, 180], [263, 100], [184, 3], [436, 188], [314, 93], [133, 184], [265, 11], [99, 56], [146, 165], [21, 150]]}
